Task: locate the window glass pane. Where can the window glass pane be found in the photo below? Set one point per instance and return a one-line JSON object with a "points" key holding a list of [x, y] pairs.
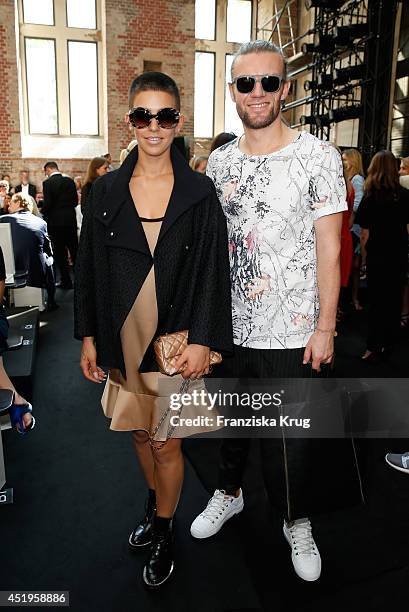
{"points": [[232, 122], [205, 19], [41, 86], [38, 11], [204, 94], [239, 21], [81, 14], [83, 75]]}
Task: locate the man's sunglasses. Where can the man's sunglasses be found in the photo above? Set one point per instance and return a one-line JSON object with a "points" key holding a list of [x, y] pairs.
{"points": [[269, 82], [141, 117]]}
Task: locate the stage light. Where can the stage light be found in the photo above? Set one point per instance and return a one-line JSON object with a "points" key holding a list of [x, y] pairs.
{"points": [[342, 76], [307, 48], [323, 43], [344, 113], [325, 81], [324, 4], [318, 120], [307, 120], [346, 34]]}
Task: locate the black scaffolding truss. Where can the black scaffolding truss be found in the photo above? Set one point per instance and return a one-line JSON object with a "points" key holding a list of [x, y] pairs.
{"points": [[350, 58]]}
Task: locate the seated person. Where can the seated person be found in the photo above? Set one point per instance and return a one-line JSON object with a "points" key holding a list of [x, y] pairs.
{"points": [[31, 246], [20, 411]]}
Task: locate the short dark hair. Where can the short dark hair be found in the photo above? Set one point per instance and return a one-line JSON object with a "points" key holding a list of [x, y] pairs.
{"points": [[51, 164], [155, 81]]}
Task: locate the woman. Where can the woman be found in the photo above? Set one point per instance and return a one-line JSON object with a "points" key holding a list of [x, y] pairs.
{"points": [[354, 173], [384, 217], [199, 164], [20, 411], [404, 181], [152, 260], [98, 166], [346, 254]]}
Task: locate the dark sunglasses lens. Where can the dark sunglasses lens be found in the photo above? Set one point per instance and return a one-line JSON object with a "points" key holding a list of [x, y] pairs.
{"points": [[139, 118], [168, 118], [245, 84], [271, 83]]}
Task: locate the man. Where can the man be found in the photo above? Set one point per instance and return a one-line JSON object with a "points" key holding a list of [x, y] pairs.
{"points": [[31, 247], [60, 200], [25, 187], [108, 157], [282, 192]]}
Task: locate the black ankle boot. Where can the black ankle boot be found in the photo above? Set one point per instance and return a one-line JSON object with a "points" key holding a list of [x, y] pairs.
{"points": [[159, 565], [142, 534]]}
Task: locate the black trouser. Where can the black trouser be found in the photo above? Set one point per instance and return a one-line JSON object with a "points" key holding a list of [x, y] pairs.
{"points": [[298, 472], [63, 238], [50, 284], [385, 290]]}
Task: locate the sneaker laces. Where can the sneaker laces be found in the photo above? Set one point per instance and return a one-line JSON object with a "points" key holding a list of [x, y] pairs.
{"points": [[217, 505], [302, 540]]}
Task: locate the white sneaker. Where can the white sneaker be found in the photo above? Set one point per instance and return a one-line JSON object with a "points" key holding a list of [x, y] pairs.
{"points": [[305, 554], [220, 508]]}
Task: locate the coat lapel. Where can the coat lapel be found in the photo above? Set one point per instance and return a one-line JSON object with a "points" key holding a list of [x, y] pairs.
{"points": [[117, 211]]}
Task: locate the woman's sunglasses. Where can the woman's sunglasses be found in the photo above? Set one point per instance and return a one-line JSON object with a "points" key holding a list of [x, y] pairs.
{"points": [[141, 117], [269, 82]]}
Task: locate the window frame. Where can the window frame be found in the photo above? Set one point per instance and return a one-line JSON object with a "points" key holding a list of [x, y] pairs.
{"points": [[220, 47], [78, 145]]}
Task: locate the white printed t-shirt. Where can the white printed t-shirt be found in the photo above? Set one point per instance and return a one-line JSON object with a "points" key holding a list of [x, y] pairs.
{"points": [[271, 202]]}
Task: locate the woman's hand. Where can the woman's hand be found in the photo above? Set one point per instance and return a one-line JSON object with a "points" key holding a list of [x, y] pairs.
{"points": [[88, 362], [195, 361]]}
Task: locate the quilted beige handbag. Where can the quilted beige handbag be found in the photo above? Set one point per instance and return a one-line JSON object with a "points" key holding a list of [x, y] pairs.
{"points": [[168, 349]]}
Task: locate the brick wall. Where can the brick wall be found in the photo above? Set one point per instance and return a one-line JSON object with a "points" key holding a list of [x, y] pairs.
{"points": [[136, 31], [10, 149]]}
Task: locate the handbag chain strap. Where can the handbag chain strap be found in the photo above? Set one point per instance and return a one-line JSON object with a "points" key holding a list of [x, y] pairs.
{"points": [[157, 445]]}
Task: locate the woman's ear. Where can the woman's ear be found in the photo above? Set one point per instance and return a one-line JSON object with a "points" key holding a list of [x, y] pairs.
{"points": [[180, 124]]}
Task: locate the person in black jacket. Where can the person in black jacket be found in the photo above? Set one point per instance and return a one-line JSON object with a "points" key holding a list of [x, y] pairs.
{"points": [[31, 246], [152, 260], [25, 186], [383, 215], [60, 200]]}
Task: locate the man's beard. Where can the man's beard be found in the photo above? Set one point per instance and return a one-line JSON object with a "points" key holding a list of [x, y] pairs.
{"points": [[258, 123]]}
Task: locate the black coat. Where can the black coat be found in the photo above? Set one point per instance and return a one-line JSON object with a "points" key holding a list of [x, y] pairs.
{"points": [[60, 200], [32, 189], [191, 264]]}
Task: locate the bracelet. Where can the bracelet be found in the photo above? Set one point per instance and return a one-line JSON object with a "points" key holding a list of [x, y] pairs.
{"points": [[326, 331]]}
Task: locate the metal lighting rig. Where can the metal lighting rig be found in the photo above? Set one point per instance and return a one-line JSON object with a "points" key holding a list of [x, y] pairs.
{"points": [[350, 57]]}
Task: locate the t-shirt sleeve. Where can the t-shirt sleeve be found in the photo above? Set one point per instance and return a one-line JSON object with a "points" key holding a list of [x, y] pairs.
{"points": [[327, 189], [2, 266], [211, 168]]}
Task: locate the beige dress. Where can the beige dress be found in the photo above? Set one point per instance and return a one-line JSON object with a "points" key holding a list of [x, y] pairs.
{"points": [[140, 401]]}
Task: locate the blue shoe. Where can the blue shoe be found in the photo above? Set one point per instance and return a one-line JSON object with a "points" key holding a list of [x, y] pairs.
{"points": [[399, 461], [16, 412]]}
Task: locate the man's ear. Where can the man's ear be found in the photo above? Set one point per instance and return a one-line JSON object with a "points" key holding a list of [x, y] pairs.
{"points": [[231, 89], [286, 89]]}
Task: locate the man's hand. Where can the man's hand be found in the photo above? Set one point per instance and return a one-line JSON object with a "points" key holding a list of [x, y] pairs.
{"points": [[88, 362], [319, 349], [195, 361]]}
